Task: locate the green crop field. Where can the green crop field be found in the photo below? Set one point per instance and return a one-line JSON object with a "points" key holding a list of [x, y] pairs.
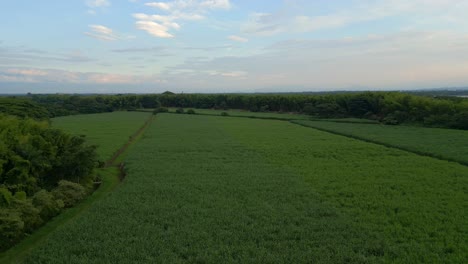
{"points": [[108, 131], [217, 190], [446, 144]]}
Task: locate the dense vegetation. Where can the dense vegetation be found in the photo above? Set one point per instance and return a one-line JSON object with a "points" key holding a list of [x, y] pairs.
{"points": [[387, 107], [42, 171], [23, 107], [445, 144], [218, 190]]}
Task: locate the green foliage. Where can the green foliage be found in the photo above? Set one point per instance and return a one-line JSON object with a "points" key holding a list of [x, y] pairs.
{"points": [[160, 110], [191, 112], [262, 191], [224, 114], [22, 107], [69, 192], [11, 228], [47, 204], [35, 156], [28, 214], [20, 196], [179, 111], [5, 197]]}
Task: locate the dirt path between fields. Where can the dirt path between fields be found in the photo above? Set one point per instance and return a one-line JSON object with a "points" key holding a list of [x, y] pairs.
{"points": [[139, 132]]}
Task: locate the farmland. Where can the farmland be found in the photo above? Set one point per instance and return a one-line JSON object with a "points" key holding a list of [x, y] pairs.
{"points": [[217, 189], [446, 144], [109, 131]]}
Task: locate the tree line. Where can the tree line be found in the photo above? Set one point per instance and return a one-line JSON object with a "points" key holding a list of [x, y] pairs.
{"points": [[387, 107]]}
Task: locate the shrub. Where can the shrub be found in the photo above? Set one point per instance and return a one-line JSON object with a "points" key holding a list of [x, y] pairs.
{"points": [[11, 228], [47, 205], [390, 120], [179, 111], [191, 112], [5, 197], [224, 114], [69, 192], [28, 214], [160, 110], [20, 196]]}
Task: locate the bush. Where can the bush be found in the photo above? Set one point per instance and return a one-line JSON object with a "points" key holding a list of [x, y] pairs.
{"points": [[69, 192], [5, 197], [28, 214], [179, 111], [47, 205], [11, 228], [390, 120], [160, 110], [191, 112], [224, 114]]}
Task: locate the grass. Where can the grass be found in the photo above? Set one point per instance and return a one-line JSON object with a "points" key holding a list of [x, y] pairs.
{"points": [[448, 144], [109, 131], [219, 190]]}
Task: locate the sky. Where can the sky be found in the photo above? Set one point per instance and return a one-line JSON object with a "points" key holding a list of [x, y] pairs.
{"points": [[229, 46]]}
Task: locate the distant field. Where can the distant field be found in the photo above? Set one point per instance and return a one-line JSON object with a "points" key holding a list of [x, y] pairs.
{"points": [[221, 190], [109, 131], [272, 115], [447, 144], [245, 113]]}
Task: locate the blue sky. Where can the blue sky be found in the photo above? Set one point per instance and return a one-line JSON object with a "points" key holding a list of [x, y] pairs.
{"points": [[149, 46]]}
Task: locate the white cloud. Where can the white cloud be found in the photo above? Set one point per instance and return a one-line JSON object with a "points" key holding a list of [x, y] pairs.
{"points": [[155, 29], [216, 4], [160, 5], [97, 3], [175, 12], [191, 4], [238, 38], [104, 33]]}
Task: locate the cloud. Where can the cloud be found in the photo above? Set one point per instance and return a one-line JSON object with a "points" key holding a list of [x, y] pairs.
{"points": [[97, 3], [410, 59], [27, 56], [143, 50], [101, 33], [32, 75], [104, 33], [191, 4], [160, 5], [414, 14], [175, 12], [155, 29], [238, 39], [233, 74], [263, 24]]}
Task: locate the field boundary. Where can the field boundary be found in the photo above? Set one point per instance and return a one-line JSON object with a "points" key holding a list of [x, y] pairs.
{"points": [[111, 181], [377, 142], [132, 139]]}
